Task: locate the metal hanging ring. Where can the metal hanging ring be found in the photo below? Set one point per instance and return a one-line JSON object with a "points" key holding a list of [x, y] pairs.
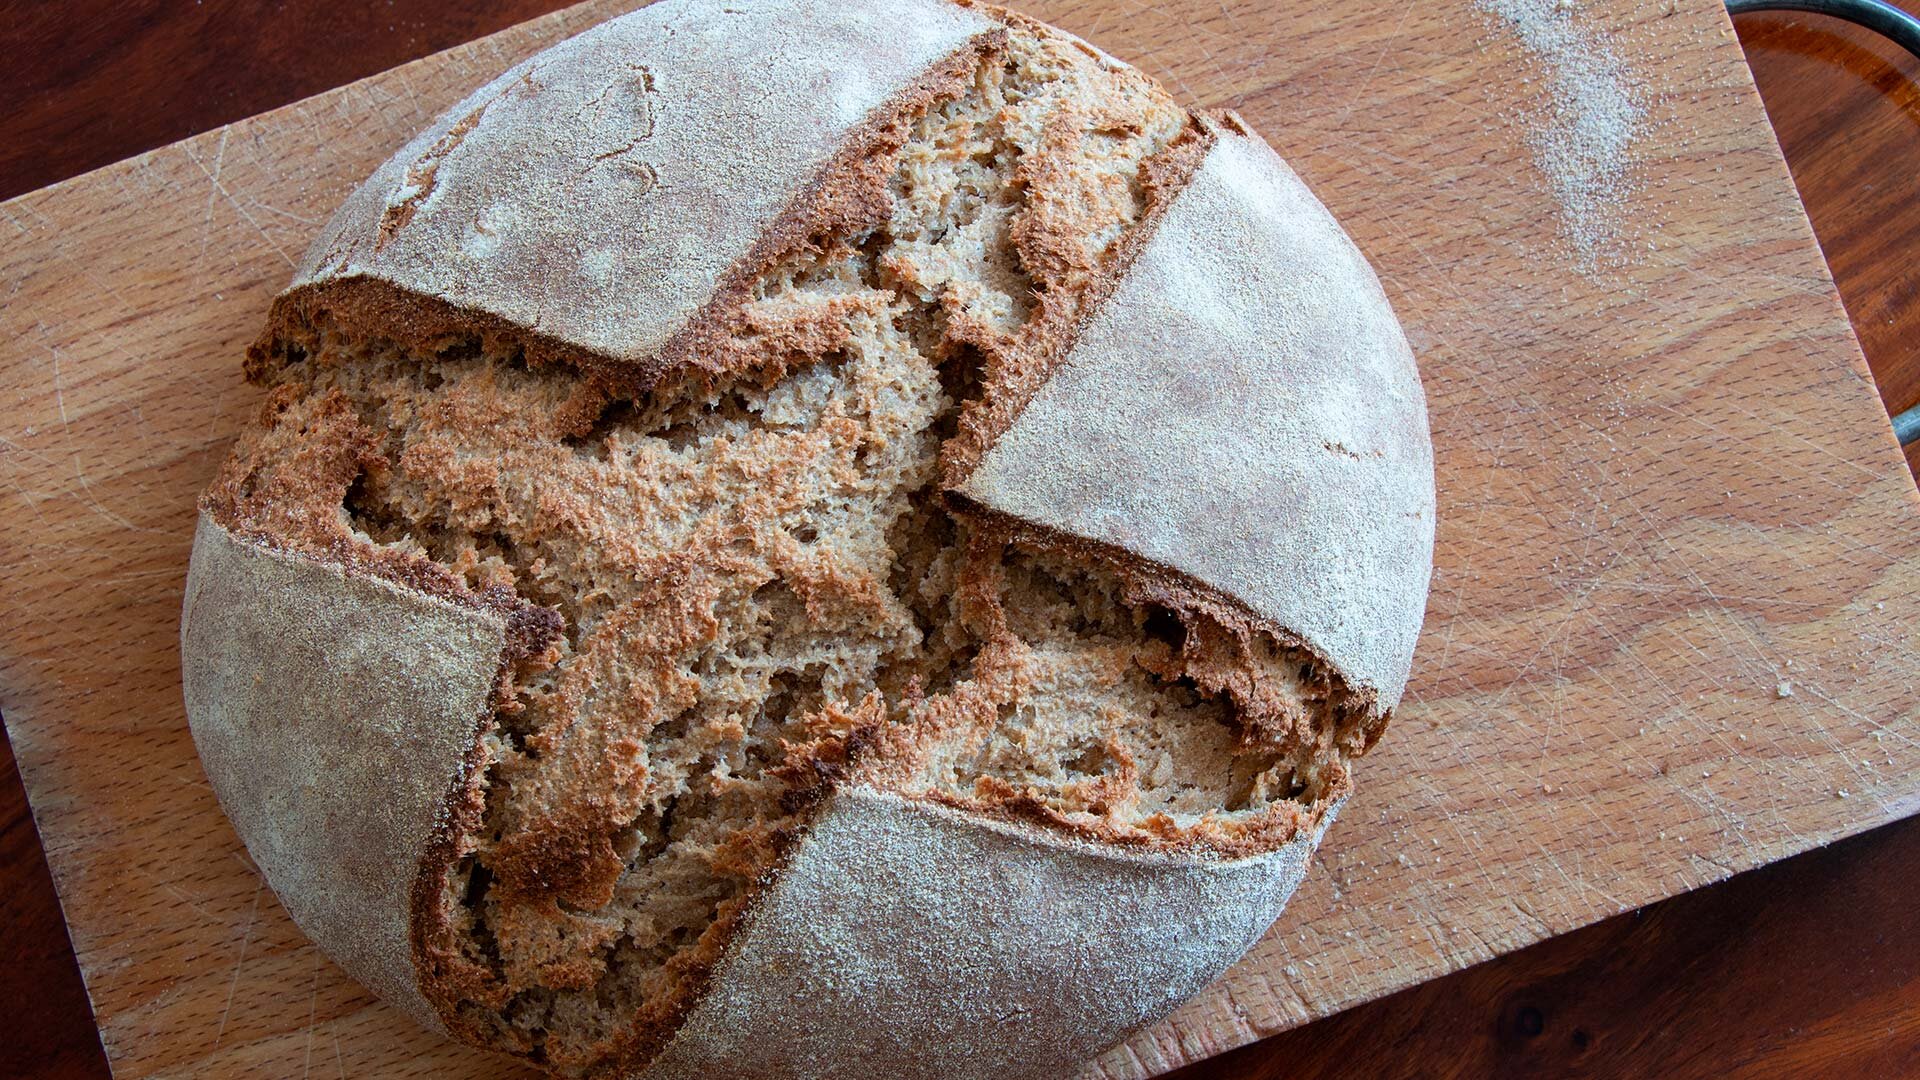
{"points": [[1882, 18]]}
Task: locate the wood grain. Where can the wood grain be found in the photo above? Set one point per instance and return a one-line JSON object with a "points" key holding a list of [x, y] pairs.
{"points": [[1737, 980], [1696, 608], [1786, 971]]}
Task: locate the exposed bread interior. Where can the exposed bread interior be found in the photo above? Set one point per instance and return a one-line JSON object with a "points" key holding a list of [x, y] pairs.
{"points": [[759, 589]]}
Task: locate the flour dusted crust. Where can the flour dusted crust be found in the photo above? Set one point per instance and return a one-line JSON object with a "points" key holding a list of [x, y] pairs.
{"points": [[1277, 449], [908, 939], [595, 196], [1160, 523], [333, 712]]}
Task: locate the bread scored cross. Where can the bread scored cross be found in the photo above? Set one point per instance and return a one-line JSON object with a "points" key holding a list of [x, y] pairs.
{"points": [[812, 538]]}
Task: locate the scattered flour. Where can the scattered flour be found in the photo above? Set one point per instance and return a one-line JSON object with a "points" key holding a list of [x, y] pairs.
{"points": [[1582, 133]]}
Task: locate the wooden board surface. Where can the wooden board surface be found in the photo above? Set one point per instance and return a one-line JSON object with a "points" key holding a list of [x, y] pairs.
{"points": [[1673, 626]]}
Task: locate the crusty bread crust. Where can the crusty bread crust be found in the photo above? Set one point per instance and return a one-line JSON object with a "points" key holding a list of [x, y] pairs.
{"points": [[1278, 454], [598, 195], [908, 939], [902, 931], [332, 712]]}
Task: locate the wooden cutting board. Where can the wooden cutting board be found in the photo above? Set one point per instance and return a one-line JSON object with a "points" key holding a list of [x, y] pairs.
{"points": [[1676, 603]]}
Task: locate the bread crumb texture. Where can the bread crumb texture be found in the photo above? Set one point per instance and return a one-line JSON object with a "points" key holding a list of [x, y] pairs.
{"points": [[741, 585]]}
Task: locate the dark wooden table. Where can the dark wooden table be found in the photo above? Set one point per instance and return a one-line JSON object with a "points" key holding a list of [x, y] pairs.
{"points": [[1809, 967]]}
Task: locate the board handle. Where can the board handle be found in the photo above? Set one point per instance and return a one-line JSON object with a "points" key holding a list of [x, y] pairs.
{"points": [[1896, 26]]}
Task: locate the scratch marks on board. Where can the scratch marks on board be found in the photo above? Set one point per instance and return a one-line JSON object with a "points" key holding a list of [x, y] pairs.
{"points": [[59, 391], [313, 1012], [1285, 983], [26, 205], [240, 962], [1366, 82], [1725, 870], [1781, 429], [213, 187], [1540, 926], [188, 902], [311, 223], [219, 190]]}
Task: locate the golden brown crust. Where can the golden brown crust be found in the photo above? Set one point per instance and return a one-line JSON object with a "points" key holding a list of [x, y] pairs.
{"points": [[572, 859], [848, 197], [1221, 626], [507, 907], [285, 495], [813, 774], [559, 196], [1218, 640], [1011, 376], [262, 490], [1279, 450]]}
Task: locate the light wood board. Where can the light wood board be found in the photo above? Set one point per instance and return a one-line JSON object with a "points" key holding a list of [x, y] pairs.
{"points": [[1676, 603]]}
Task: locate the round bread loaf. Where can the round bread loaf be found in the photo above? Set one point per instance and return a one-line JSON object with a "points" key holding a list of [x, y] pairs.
{"points": [[814, 539]]}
